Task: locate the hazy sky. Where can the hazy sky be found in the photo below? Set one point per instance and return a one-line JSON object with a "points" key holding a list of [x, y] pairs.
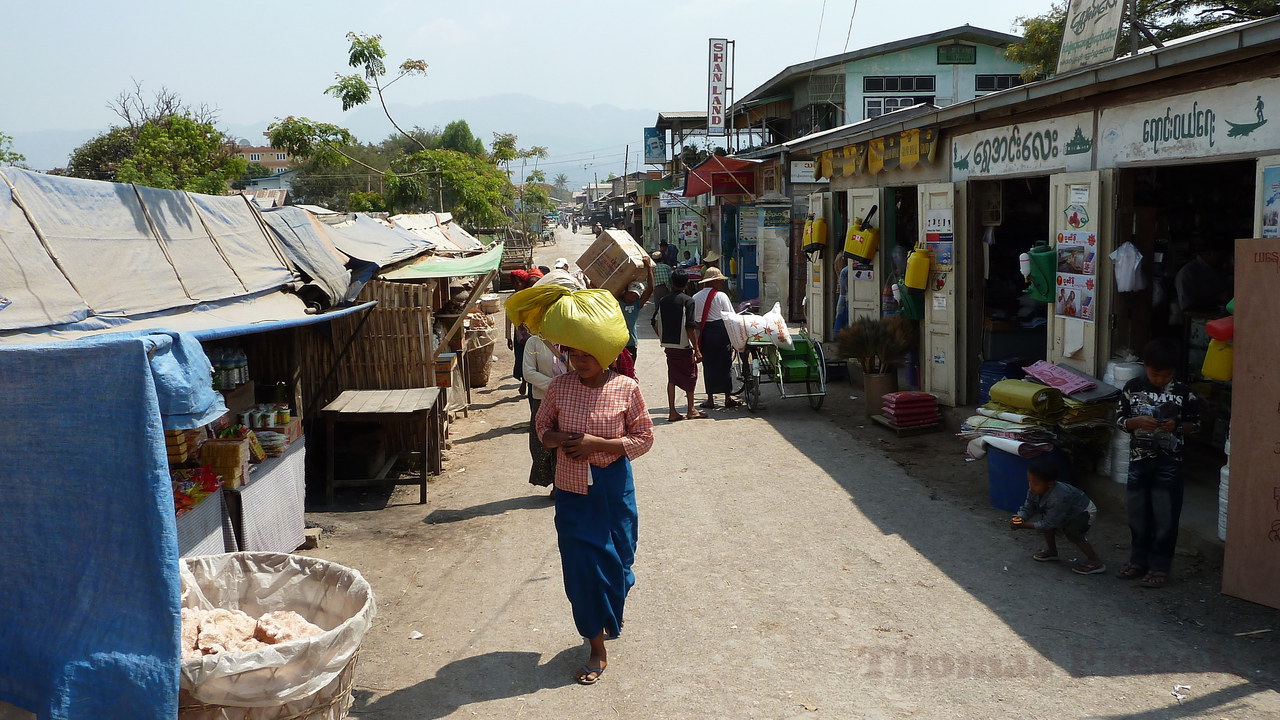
{"points": [[258, 61]]}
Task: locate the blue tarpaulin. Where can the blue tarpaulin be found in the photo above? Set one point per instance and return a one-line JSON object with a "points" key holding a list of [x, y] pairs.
{"points": [[88, 547]]}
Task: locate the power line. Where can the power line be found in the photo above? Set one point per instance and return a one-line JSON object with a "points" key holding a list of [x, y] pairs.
{"points": [[849, 34], [818, 39]]}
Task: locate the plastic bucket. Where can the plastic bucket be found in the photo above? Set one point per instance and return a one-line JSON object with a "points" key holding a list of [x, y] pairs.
{"points": [[1007, 476]]}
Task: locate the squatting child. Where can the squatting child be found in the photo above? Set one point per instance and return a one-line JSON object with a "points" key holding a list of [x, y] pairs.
{"points": [[1064, 508]]}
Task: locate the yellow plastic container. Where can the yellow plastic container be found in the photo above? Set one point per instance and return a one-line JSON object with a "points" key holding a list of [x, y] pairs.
{"points": [[1217, 361], [860, 242], [918, 264], [815, 233]]}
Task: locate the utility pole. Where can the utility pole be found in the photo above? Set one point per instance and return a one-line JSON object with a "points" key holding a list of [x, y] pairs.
{"points": [[626, 156]]}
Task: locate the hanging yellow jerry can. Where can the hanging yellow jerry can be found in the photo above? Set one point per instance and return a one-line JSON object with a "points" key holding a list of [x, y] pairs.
{"points": [[815, 233], [861, 241], [1217, 361], [918, 264]]}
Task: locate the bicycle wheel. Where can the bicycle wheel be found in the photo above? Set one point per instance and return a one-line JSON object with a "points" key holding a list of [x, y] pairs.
{"points": [[751, 389], [816, 387]]}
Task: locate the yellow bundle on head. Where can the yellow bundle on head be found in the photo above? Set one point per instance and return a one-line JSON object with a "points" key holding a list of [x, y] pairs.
{"points": [[589, 320]]}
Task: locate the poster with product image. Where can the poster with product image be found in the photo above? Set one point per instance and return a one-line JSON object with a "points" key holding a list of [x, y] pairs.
{"points": [[1077, 252], [1074, 297], [1077, 257]]}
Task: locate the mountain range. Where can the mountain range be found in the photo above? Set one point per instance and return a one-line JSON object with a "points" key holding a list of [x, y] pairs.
{"points": [[583, 141]]}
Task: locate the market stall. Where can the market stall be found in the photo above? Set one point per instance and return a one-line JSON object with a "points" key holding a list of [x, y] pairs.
{"points": [[113, 299]]}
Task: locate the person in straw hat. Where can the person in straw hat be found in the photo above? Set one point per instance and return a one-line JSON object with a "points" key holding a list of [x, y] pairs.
{"points": [[710, 308], [661, 276]]}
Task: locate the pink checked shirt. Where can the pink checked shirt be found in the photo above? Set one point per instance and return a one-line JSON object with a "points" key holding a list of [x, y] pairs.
{"points": [[614, 410]]}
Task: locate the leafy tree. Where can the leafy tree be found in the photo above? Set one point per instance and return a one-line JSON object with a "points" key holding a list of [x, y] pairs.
{"points": [[7, 154], [457, 136], [179, 153], [1159, 20], [182, 148], [366, 202], [99, 157], [331, 185], [1041, 39], [420, 169]]}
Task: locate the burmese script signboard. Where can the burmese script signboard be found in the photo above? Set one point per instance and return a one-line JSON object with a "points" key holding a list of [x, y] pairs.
{"points": [[1091, 33], [1058, 145], [1229, 120]]}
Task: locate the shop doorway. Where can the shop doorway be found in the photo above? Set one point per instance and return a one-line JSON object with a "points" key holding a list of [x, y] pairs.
{"points": [[1185, 216], [1006, 324], [900, 233]]}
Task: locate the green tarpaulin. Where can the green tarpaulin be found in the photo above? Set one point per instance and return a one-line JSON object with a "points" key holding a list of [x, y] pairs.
{"points": [[443, 267]]}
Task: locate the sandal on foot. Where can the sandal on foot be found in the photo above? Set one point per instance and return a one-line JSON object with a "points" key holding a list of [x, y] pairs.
{"points": [[1131, 572], [731, 403], [585, 672], [707, 405], [1088, 569], [674, 418], [1045, 556], [1154, 579], [695, 415]]}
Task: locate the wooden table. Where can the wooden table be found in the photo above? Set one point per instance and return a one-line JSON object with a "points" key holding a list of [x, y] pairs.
{"points": [[387, 406]]}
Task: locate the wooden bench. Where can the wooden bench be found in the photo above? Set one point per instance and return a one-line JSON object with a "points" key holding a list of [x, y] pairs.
{"points": [[388, 406]]}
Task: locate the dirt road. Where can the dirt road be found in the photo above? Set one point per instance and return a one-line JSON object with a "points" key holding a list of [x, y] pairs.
{"points": [[786, 569]]}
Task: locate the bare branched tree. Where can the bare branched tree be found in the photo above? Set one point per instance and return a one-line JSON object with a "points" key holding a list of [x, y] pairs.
{"points": [[136, 110]]}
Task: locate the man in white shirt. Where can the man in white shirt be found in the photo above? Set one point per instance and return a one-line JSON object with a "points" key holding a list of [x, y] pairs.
{"points": [[710, 307]]}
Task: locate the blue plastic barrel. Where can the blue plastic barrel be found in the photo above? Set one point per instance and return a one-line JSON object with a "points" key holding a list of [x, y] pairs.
{"points": [[1007, 476]]}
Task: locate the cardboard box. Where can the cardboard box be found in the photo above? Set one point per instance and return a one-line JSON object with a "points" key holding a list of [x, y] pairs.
{"points": [[240, 399], [613, 261], [291, 432]]}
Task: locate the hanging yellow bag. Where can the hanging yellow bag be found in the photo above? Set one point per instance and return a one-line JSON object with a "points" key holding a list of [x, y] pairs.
{"points": [[589, 320]]}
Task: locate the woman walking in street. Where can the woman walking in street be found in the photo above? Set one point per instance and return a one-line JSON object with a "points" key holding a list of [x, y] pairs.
{"points": [[543, 362], [711, 306], [597, 421]]}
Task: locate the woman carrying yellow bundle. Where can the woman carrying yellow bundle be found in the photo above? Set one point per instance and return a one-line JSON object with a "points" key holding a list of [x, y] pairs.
{"points": [[596, 420]]}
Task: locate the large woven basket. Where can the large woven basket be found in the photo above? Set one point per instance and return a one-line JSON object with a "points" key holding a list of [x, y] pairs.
{"points": [[333, 702], [479, 364]]}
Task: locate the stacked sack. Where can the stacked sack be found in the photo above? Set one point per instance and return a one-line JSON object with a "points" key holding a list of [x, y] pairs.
{"points": [[911, 409]]}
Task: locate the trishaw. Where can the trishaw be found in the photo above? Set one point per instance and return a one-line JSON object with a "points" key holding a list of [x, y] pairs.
{"points": [[764, 362]]}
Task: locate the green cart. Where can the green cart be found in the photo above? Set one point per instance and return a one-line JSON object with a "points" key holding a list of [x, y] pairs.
{"points": [[764, 362]]}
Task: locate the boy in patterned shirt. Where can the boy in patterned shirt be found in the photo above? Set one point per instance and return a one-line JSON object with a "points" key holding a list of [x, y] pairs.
{"points": [[1158, 412]]}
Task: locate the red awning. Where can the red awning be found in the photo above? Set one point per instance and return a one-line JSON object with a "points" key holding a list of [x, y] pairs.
{"points": [[721, 176]]}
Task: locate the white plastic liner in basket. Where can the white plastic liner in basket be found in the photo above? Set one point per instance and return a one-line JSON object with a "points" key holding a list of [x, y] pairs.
{"points": [[334, 597]]}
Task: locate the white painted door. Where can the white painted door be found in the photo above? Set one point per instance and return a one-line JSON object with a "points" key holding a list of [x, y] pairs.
{"points": [[1267, 197], [1081, 203], [815, 304], [864, 295], [941, 210]]}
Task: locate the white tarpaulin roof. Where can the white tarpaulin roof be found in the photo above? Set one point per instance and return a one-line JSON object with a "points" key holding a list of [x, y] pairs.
{"points": [[101, 254], [309, 247], [439, 228], [360, 236]]}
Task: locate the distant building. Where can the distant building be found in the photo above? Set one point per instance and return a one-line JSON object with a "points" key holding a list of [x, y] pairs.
{"points": [[273, 159], [941, 68]]}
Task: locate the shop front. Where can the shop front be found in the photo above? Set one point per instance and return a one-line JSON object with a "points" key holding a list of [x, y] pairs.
{"points": [[894, 185], [1031, 191], [1191, 170]]}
